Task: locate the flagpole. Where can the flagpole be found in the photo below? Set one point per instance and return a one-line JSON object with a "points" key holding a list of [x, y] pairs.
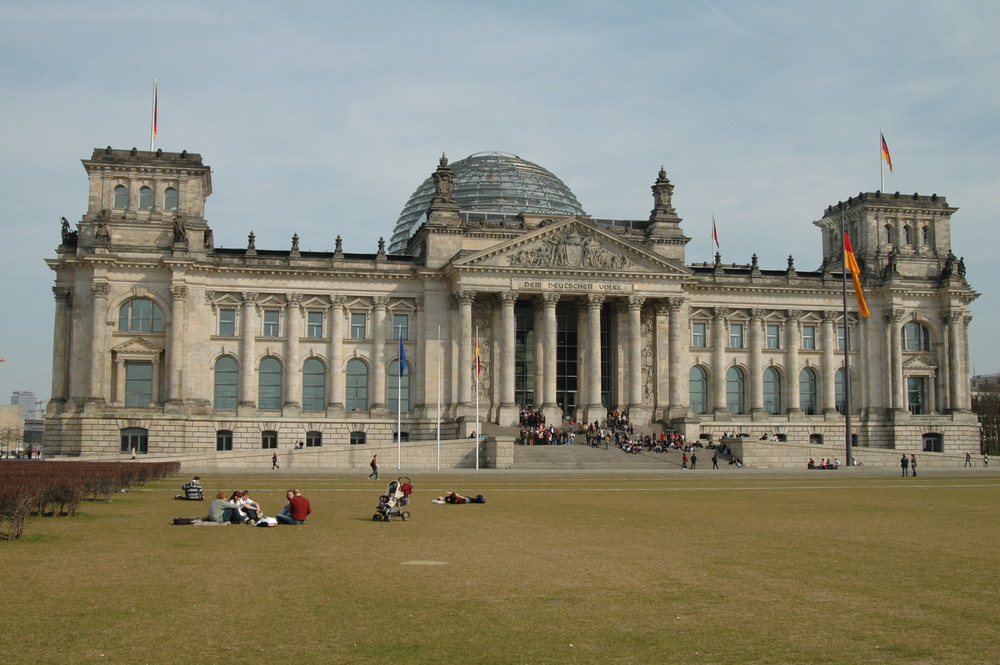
{"points": [[477, 397], [152, 125], [439, 401], [847, 348], [881, 162]]}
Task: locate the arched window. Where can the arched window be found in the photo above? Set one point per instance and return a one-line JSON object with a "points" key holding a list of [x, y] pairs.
{"points": [[314, 385], [735, 384], [170, 199], [135, 437], [907, 235], [840, 391], [269, 384], [925, 235], [121, 197], [227, 376], [916, 337], [398, 388], [698, 389], [807, 391], [145, 198], [356, 398], [772, 391], [140, 315], [888, 235]]}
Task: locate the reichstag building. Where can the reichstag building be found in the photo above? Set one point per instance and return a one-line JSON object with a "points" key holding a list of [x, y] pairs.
{"points": [[503, 295]]}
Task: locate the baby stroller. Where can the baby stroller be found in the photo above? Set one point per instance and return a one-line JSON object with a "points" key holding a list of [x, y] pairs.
{"points": [[395, 498]]}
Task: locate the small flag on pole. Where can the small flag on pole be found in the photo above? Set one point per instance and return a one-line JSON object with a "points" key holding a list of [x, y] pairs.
{"points": [[479, 367], [715, 233], [154, 128], [402, 356], [885, 152], [851, 263]]}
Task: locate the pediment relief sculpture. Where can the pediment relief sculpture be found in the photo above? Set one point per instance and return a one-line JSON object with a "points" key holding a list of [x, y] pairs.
{"points": [[568, 248]]}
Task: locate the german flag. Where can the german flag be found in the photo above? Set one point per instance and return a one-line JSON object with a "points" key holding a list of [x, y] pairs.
{"points": [[885, 152], [851, 263]]}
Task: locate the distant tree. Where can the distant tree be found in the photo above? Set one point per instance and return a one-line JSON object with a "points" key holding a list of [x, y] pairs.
{"points": [[986, 405]]}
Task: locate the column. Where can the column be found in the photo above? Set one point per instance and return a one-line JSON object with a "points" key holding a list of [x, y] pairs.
{"points": [[954, 369], [894, 317], [792, 362], [248, 335], [465, 342], [719, 362], [61, 337], [539, 329], [293, 364], [175, 344], [506, 365], [100, 292], [635, 382], [679, 398], [378, 354], [549, 301], [596, 410], [829, 373], [119, 399], [756, 362], [336, 385], [582, 377]]}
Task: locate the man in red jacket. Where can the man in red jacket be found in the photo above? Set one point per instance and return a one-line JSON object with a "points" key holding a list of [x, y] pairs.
{"points": [[299, 509]]}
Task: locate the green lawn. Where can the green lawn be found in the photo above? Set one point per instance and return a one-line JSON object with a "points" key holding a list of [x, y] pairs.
{"points": [[595, 568]]}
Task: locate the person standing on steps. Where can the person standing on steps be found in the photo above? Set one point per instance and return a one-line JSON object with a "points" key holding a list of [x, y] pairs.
{"points": [[374, 466]]}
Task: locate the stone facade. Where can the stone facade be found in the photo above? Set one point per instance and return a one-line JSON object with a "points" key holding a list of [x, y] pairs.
{"points": [[166, 342]]}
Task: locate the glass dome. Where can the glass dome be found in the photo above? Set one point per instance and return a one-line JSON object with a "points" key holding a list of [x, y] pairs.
{"points": [[490, 182]]}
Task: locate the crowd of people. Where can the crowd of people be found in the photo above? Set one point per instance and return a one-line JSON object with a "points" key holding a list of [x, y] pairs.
{"points": [[824, 463], [239, 508]]}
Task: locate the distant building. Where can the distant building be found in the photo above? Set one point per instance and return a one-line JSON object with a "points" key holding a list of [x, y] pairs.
{"points": [[26, 400], [501, 290]]}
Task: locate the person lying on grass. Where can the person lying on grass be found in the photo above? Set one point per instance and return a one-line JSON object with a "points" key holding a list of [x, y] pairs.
{"points": [[455, 497]]}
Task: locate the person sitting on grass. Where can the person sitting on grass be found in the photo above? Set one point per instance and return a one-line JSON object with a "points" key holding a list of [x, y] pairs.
{"points": [[298, 509], [221, 510], [192, 491], [250, 507]]}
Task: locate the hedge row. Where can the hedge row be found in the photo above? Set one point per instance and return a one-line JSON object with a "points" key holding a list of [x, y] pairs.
{"points": [[58, 488]]}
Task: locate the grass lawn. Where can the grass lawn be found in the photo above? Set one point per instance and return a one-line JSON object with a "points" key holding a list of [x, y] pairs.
{"points": [[667, 567]]}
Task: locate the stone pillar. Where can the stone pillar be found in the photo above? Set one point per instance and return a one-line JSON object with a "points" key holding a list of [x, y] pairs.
{"points": [[248, 336], [582, 377], [119, 398], [465, 369], [98, 359], [756, 362], [719, 339], [508, 415], [293, 364], [61, 344], [635, 383], [792, 363], [549, 302], [378, 355], [595, 410], [829, 373], [894, 317], [176, 353], [539, 328], [336, 377], [953, 321], [679, 379]]}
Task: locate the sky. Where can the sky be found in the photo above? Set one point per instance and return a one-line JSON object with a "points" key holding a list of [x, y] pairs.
{"points": [[322, 118]]}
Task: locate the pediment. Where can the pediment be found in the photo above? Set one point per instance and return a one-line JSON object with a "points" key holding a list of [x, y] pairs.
{"points": [[570, 245], [137, 346], [918, 364]]}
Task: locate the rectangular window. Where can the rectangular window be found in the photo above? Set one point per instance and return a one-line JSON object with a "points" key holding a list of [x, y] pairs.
{"points": [[271, 317], [916, 395], [138, 384], [401, 326], [736, 335], [809, 337], [842, 335], [269, 439], [699, 334], [773, 336], [358, 438], [314, 439], [227, 322], [224, 440], [314, 325], [359, 325]]}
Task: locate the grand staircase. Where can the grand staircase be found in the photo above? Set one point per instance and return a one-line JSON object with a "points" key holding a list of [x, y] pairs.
{"points": [[590, 458]]}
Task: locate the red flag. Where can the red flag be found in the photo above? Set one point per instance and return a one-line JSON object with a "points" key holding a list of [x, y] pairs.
{"points": [[885, 152], [851, 263]]}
